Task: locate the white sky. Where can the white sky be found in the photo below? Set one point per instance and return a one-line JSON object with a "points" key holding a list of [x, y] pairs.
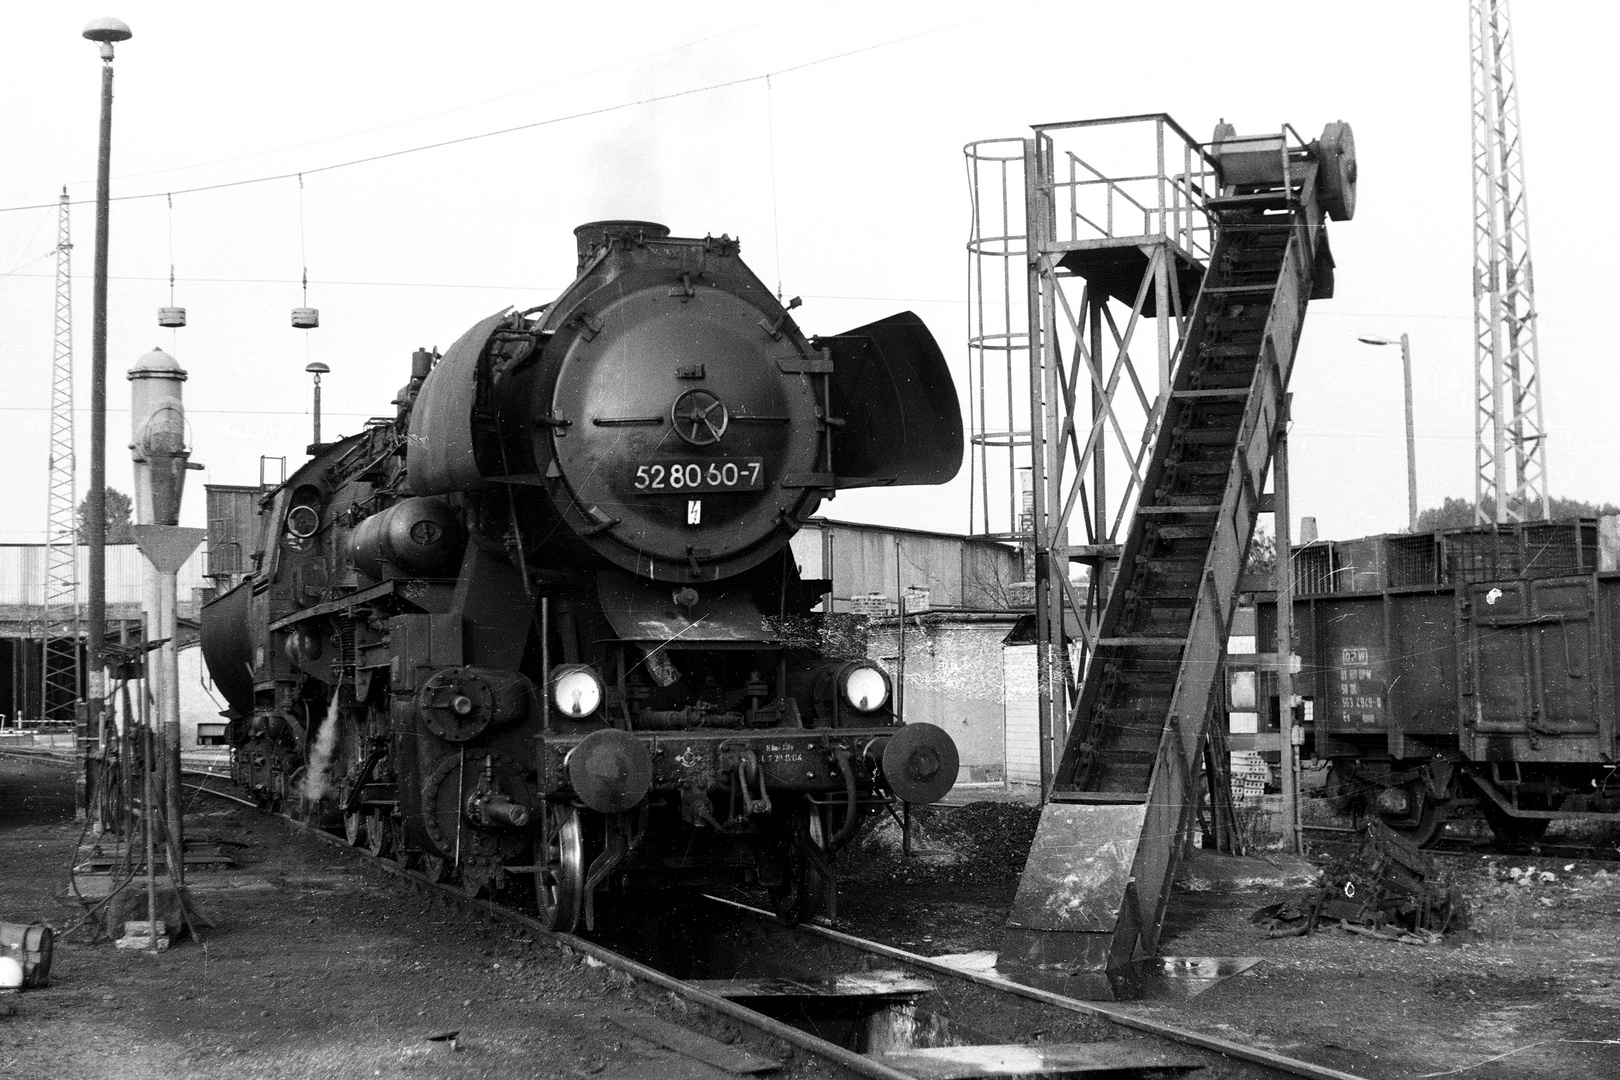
{"points": [[871, 102]]}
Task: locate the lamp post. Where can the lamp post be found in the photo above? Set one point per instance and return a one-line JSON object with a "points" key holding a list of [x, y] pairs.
{"points": [[1411, 437], [317, 369], [105, 32]]}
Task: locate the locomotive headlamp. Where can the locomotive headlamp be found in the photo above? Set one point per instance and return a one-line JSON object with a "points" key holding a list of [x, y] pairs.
{"points": [[865, 687], [576, 689]]}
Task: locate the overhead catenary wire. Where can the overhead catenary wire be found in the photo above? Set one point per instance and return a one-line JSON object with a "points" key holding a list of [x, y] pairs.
{"points": [[592, 73], [461, 140]]}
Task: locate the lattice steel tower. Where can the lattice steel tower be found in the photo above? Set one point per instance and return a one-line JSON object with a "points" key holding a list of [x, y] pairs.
{"points": [[1510, 445], [61, 688]]}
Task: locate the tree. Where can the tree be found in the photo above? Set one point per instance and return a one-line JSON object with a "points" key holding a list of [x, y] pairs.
{"points": [[118, 507], [1262, 558], [1459, 513]]}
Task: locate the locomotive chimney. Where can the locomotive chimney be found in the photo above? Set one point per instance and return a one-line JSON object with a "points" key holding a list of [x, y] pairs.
{"points": [[592, 235]]}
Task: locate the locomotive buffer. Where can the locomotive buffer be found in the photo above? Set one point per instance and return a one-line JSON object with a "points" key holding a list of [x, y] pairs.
{"points": [[1092, 898]]}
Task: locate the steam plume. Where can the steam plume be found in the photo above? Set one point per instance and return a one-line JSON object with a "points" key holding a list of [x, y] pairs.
{"points": [[318, 770]]}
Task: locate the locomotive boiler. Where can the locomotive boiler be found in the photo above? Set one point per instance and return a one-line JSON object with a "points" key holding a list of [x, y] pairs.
{"points": [[545, 622]]}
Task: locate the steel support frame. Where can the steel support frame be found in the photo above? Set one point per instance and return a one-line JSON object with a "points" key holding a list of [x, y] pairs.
{"points": [[1509, 433], [1086, 373], [61, 621]]}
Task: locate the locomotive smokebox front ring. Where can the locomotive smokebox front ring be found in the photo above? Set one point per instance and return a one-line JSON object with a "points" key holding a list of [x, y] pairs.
{"points": [[611, 771], [920, 763]]}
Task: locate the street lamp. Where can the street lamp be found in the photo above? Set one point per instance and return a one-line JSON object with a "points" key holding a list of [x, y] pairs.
{"points": [[105, 32], [317, 369], [1411, 438]]}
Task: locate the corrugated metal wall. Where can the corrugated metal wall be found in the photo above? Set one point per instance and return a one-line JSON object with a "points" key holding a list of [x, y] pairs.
{"points": [[22, 574], [958, 571]]}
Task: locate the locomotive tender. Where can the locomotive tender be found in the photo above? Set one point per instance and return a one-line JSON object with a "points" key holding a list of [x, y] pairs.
{"points": [[1463, 672], [545, 620]]}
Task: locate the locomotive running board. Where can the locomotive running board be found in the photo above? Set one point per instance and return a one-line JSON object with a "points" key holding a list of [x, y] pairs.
{"points": [[1091, 902]]}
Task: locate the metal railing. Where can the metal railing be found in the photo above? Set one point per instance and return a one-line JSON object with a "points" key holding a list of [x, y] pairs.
{"points": [[1155, 184]]}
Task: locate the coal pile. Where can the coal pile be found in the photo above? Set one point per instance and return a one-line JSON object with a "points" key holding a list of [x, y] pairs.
{"points": [[1383, 887], [979, 844]]}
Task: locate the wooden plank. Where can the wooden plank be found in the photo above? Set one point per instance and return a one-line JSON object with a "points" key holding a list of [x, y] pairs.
{"points": [[969, 1062], [859, 984], [691, 1044]]}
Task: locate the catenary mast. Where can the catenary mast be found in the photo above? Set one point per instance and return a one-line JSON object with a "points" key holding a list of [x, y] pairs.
{"points": [[1510, 445], [61, 691]]}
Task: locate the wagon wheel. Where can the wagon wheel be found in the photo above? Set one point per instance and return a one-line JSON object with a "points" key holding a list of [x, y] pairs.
{"points": [[1512, 832], [559, 870], [1425, 826], [379, 841]]}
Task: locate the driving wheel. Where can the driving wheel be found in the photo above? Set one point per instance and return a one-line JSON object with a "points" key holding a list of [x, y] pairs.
{"points": [[559, 869], [379, 839]]}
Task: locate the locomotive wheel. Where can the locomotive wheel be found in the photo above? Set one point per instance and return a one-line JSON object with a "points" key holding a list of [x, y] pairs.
{"points": [[379, 840], [559, 870], [799, 896], [796, 899], [301, 808], [354, 828], [399, 846], [436, 868]]}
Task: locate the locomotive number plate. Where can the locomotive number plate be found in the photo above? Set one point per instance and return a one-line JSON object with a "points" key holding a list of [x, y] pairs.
{"points": [[700, 477]]}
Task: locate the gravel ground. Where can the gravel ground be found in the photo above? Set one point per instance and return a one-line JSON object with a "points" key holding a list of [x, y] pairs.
{"points": [[1530, 989], [317, 967], [321, 968]]}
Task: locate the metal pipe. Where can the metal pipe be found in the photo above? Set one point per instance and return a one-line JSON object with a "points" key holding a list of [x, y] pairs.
{"points": [[169, 700], [105, 32], [545, 665], [148, 818], [1284, 649], [1411, 438], [900, 664]]}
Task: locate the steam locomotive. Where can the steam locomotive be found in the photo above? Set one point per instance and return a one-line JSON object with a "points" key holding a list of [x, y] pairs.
{"points": [[545, 620]]}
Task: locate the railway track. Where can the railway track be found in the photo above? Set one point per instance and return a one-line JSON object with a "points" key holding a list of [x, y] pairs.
{"points": [[907, 1003], [957, 1005], [1462, 846]]}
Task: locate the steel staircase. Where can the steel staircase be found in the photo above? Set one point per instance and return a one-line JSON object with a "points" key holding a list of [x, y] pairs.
{"points": [[1093, 894]]}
